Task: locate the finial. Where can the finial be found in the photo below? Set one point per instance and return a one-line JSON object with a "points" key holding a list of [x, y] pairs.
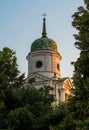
{"points": [[44, 15], [44, 26]]}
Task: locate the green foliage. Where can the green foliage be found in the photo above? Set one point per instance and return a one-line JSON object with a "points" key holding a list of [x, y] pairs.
{"points": [[79, 103], [60, 117], [27, 109], [47, 97], [77, 110], [9, 81], [9, 73], [21, 108], [20, 119], [59, 112], [81, 72]]}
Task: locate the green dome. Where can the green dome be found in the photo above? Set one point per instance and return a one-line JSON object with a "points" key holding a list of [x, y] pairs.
{"points": [[44, 43]]}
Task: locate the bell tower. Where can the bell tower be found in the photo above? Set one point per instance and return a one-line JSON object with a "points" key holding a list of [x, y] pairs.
{"points": [[43, 57], [44, 67]]}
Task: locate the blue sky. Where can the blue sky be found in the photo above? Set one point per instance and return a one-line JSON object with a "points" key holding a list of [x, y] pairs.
{"points": [[21, 23]]}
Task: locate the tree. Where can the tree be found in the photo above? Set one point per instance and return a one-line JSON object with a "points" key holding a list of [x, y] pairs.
{"points": [[79, 104], [9, 73], [20, 107], [40, 101], [58, 115], [29, 110], [10, 79]]}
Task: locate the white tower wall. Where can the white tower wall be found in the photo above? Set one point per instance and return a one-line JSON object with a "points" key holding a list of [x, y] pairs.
{"points": [[44, 62]]}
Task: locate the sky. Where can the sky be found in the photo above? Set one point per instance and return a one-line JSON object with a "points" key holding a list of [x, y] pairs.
{"points": [[21, 23]]}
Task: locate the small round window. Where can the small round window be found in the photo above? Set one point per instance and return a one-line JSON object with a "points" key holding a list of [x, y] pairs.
{"points": [[38, 64], [58, 67]]}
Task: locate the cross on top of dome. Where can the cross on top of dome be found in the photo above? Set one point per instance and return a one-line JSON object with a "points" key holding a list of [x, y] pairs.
{"points": [[44, 15]]}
